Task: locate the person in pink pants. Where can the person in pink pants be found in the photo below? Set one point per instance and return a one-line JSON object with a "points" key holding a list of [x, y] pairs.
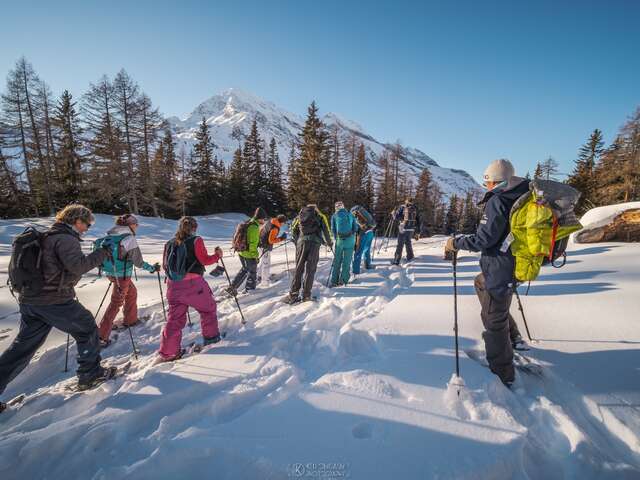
{"points": [[190, 290]]}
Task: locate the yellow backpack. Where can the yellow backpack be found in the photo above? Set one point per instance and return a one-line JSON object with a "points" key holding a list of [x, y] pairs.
{"points": [[541, 221]]}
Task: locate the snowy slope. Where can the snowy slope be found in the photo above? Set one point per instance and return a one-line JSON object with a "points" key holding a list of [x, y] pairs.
{"points": [[235, 108], [600, 216], [354, 384]]}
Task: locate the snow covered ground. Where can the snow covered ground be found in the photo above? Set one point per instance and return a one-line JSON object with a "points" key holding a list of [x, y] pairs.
{"points": [[351, 386]]}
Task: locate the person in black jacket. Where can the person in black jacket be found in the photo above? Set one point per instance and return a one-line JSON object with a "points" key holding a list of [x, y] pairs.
{"points": [[409, 223], [63, 264], [494, 286]]}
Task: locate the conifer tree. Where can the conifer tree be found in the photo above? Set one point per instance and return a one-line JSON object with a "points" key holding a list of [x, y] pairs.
{"points": [[201, 187], [452, 218], [583, 176], [68, 135]]}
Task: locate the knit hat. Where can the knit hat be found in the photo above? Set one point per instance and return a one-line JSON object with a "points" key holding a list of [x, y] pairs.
{"points": [[500, 170], [260, 214], [126, 220], [339, 205]]}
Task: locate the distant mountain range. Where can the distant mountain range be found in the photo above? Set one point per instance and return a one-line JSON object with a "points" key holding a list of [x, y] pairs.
{"points": [[235, 108]]}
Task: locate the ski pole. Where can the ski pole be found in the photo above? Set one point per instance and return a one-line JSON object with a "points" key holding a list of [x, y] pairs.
{"points": [[103, 298], [133, 344], [455, 310], [162, 298], [66, 356], [524, 319], [189, 318], [233, 291], [330, 271], [286, 256]]}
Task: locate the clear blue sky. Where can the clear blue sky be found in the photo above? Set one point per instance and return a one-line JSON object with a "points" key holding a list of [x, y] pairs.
{"points": [[465, 81]]}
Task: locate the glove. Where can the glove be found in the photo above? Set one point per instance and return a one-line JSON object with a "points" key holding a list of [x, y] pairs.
{"points": [[154, 268], [218, 252], [449, 249], [416, 236]]}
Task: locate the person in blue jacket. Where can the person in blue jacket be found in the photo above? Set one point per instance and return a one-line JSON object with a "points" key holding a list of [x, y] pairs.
{"points": [[494, 286], [344, 228], [364, 238]]}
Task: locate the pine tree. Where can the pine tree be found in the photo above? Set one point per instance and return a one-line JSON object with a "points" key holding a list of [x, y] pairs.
{"points": [[469, 218], [277, 198], [538, 171], [69, 147], [452, 218], [150, 123], [254, 168], [360, 175], [314, 161], [427, 198], [164, 178], [202, 191], [583, 176], [548, 169], [296, 190]]}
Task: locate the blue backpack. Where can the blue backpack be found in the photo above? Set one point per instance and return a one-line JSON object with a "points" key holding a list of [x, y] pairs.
{"points": [[117, 267], [175, 259], [344, 224]]}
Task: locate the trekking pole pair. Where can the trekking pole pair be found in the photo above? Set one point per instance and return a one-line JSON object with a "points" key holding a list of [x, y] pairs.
{"points": [[235, 297]]}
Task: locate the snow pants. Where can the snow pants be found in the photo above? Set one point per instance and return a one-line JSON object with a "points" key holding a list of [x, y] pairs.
{"points": [[307, 256], [500, 329], [35, 324], [249, 271], [264, 267], [126, 295], [191, 292], [364, 249], [404, 240], [340, 270]]}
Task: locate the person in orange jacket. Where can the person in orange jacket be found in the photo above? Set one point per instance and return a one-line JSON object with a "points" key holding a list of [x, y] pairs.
{"points": [[269, 236]]}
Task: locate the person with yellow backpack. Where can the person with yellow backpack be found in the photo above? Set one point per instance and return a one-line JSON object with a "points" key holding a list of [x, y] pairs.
{"points": [[523, 223]]}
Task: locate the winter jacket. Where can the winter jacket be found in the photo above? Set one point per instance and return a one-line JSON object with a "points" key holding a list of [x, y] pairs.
{"points": [[253, 239], [323, 237], [269, 234], [406, 226], [335, 219], [497, 262], [129, 252], [63, 265]]}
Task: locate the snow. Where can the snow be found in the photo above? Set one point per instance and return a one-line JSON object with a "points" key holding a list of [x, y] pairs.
{"points": [[600, 216], [235, 108], [357, 384]]}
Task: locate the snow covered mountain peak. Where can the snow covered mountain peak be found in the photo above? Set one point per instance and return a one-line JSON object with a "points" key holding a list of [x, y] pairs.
{"points": [[229, 115]]}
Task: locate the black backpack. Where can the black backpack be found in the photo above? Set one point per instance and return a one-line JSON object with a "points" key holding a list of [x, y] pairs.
{"points": [[265, 231], [25, 266], [309, 221], [410, 213]]}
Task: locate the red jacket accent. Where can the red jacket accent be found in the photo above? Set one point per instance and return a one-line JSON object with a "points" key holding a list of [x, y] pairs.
{"points": [[201, 253]]}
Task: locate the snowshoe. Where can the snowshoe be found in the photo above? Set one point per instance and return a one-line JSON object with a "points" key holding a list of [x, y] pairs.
{"points": [[106, 373], [309, 299], [212, 340], [291, 300], [105, 343], [3, 407]]}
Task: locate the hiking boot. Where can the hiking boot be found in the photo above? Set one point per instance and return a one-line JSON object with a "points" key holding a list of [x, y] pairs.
{"points": [[3, 407], [209, 341], [103, 374], [370, 267], [105, 343], [118, 327], [291, 299], [519, 344]]}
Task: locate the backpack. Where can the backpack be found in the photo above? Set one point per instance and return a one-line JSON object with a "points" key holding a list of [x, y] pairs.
{"points": [[309, 221], [410, 214], [265, 231], [344, 224], [25, 269], [541, 221], [175, 259], [364, 217], [240, 242], [114, 265]]}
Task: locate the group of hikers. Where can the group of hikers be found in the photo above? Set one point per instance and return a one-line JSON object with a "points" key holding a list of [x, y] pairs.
{"points": [[47, 297]]}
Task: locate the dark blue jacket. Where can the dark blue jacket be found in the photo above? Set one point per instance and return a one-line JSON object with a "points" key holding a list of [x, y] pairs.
{"points": [[496, 265]]}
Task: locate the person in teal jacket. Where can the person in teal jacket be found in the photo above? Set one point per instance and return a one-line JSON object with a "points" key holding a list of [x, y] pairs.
{"points": [[249, 257], [344, 228]]}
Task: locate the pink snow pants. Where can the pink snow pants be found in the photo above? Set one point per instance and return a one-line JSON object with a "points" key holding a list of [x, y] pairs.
{"points": [[192, 292]]}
